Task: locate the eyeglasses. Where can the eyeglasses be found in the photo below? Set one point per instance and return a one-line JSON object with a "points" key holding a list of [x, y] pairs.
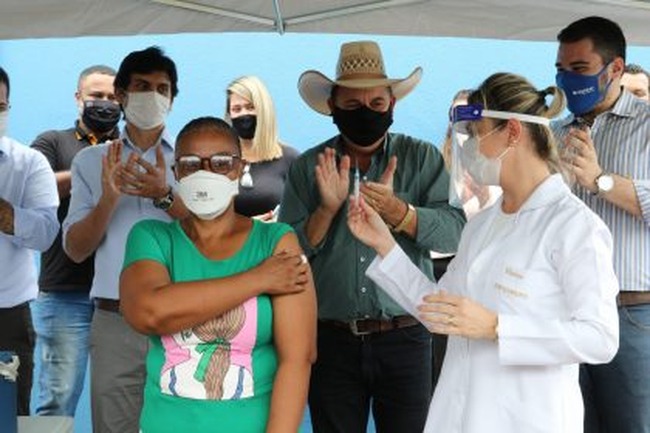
{"points": [[221, 164]]}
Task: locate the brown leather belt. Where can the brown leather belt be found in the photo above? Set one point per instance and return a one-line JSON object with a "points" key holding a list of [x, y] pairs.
{"points": [[373, 326], [625, 299], [112, 305]]}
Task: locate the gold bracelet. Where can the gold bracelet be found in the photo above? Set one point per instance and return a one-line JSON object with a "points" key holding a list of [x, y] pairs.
{"points": [[410, 213]]}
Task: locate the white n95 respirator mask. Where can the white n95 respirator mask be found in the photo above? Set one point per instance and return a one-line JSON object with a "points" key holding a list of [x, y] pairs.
{"points": [[207, 195]]}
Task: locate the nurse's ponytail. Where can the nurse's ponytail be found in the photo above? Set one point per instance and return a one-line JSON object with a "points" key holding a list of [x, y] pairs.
{"points": [[510, 92]]}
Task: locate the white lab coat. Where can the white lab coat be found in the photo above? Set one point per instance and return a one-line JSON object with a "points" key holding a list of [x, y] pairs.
{"points": [[551, 281]]}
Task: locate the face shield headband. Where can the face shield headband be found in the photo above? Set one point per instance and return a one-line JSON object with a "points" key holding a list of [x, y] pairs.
{"points": [[464, 114], [465, 190]]}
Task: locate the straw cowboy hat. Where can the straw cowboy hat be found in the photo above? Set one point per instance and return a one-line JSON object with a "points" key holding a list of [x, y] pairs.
{"points": [[360, 66]]}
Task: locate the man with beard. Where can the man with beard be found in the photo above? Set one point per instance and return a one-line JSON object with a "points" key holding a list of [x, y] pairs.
{"points": [[606, 142]]}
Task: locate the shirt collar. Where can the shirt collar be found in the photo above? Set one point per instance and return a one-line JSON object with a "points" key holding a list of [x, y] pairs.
{"points": [[165, 139], [82, 135], [625, 106], [4, 145], [377, 155], [550, 190]]}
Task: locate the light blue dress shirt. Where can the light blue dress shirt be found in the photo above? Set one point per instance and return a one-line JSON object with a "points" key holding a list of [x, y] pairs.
{"points": [[86, 191], [28, 183]]}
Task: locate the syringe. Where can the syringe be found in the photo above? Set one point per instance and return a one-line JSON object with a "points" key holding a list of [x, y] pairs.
{"points": [[357, 180]]}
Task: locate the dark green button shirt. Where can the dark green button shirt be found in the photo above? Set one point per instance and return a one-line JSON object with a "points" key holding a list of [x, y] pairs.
{"points": [[340, 261]]}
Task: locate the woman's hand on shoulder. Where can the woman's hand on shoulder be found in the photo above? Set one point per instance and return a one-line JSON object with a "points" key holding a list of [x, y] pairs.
{"points": [[283, 273], [268, 217]]}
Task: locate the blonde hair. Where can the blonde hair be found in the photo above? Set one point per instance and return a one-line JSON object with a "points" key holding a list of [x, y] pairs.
{"points": [[509, 92], [265, 140]]}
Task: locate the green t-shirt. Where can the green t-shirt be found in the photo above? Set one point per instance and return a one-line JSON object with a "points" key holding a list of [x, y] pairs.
{"points": [[217, 376]]}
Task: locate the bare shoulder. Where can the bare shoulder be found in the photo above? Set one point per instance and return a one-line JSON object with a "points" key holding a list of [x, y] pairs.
{"points": [[289, 243]]}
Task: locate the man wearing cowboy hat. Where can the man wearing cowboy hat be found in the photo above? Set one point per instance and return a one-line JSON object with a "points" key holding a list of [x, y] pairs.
{"points": [[369, 348]]}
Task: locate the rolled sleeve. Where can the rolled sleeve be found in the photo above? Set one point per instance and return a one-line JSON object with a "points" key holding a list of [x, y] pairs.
{"points": [[81, 197], [35, 220], [309, 249], [642, 188], [439, 228], [439, 224], [35, 228], [294, 209]]}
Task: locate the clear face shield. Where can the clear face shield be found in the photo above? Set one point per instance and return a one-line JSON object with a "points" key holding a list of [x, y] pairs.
{"points": [[474, 178]]}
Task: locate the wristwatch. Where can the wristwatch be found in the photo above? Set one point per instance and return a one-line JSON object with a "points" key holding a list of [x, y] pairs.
{"points": [[604, 183], [164, 202]]}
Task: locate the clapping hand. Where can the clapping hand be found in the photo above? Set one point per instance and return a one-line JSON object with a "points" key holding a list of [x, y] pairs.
{"points": [[111, 166], [140, 178], [333, 182], [377, 194], [584, 164], [381, 197]]}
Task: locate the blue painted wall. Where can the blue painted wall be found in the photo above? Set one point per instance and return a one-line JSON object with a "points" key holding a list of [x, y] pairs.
{"points": [[44, 74]]}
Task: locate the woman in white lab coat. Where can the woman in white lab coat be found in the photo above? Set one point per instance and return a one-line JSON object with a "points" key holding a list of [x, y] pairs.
{"points": [[531, 292]]}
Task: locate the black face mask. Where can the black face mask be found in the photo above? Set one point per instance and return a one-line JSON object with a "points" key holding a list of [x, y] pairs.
{"points": [[362, 125], [245, 126], [100, 116]]}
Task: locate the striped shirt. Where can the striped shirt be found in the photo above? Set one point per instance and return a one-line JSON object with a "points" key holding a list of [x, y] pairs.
{"points": [[621, 137]]}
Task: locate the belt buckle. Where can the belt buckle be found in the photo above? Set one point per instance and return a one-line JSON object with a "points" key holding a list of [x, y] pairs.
{"points": [[354, 328]]}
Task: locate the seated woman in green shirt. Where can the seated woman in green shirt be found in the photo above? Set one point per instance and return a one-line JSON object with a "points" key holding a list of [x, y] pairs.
{"points": [[228, 302]]}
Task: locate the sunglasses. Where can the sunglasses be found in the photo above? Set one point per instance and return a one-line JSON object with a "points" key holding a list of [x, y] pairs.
{"points": [[218, 163]]}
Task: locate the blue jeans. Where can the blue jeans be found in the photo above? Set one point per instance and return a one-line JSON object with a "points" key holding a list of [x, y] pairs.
{"points": [[62, 324], [617, 395], [389, 372]]}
